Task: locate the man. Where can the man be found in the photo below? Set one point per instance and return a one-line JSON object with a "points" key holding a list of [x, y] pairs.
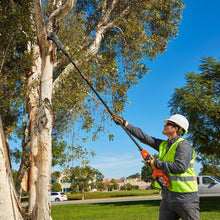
{"points": [[176, 159]]}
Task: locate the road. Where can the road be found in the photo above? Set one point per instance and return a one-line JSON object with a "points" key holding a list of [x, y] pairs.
{"points": [[123, 199]]}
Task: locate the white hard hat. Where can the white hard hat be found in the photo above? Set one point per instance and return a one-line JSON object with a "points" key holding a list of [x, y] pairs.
{"points": [[179, 120]]}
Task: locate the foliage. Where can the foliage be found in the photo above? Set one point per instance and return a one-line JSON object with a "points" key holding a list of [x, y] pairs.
{"points": [[147, 171], [15, 61], [56, 174], [122, 188], [83, 177], [119, 62], [199, 101], [58, 152], [135, 187], [211, 165], [110, 187], [78, 154], [136, 175], [56, 187], [128, 186], [113, 180], [102, 186], [115, 186]]}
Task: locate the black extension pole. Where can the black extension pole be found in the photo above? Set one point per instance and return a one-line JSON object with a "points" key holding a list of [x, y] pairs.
{"points": [[52, 36]]}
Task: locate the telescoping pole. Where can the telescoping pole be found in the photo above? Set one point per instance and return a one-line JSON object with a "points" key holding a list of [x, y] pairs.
{"points": [[52, 36]]}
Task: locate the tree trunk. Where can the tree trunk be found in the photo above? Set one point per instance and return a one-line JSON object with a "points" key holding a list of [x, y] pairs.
{"points": [[43, 129], [83, 193], [9, 204]]}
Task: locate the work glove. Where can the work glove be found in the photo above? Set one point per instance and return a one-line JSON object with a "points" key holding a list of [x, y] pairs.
{"points": [[151, 162], [118, 120]]}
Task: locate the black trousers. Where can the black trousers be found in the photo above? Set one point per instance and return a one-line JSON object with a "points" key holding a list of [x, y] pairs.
{"points": [[176, 210]]}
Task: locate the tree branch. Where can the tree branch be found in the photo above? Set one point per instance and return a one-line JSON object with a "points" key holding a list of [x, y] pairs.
{"points": [[102, 27], [60, 12]]}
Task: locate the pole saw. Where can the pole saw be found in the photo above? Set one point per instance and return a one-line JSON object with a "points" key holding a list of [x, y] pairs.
{"points": [[158, 174]]}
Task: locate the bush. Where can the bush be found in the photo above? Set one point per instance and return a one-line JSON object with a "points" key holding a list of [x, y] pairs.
{"points": [[102, 186], [116, 186], [122, 188], [128, 186], [56, 187], [135, 187]]}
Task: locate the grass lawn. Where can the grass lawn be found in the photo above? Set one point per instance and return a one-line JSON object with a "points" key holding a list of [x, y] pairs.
{"points": [[146, 210], [114, 194]]}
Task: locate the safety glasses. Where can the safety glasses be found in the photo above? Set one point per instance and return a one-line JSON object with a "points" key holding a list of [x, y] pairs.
{"points": [[170, 124]]}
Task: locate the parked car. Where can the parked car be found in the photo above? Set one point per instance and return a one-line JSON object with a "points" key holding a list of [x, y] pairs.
{"points": [[57, 196], [208, 185]]}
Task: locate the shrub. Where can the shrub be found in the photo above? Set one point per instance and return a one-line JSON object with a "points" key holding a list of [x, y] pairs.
{"points": [[122, 188], [135, 187], [56, 187], [128, 186]]}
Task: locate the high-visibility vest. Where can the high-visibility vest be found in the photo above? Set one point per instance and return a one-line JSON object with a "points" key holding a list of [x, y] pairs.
{"points": [[184, 182]]}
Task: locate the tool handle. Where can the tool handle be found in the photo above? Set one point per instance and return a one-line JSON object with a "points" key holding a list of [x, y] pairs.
{"points": [[161, 178], [146, 155]]}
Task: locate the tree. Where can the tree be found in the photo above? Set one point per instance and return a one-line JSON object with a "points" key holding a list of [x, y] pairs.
{"points": [[146, 173], [210, 165], [199, 101], [83, 177], [56, 187], [110, 186], [136, 175], [102, 186], [8, 211], [128, 186], [106, 46]]}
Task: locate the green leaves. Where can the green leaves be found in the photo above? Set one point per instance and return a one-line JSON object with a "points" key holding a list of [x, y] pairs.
{"points": [[199, 101]]}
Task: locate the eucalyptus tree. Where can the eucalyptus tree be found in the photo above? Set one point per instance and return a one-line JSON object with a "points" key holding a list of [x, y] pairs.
{"points": [[110, 41]]}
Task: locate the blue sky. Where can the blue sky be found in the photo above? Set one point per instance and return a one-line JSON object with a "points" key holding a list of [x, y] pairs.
{"points": [[199, 36]]}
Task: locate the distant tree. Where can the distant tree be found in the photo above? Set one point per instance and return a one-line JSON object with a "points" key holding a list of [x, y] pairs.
{"points": [[136, 175], [56, 187], [135, 187], [113, 180], [56, 174], [102, 186], [84, 176], [122, 188], [210, 165], [147, 171], [199, 101], [74, 188], [115, 186], [128, 186]]}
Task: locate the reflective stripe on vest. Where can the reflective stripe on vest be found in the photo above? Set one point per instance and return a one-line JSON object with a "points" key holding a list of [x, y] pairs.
{"points": [[184, 182]]}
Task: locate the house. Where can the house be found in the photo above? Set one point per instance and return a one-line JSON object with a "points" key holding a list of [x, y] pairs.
{"points": [[134, 181], [65, 184]]}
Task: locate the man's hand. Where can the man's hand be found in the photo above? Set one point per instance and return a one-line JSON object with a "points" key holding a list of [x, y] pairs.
{"points": [[118, 120], [151, 162]]}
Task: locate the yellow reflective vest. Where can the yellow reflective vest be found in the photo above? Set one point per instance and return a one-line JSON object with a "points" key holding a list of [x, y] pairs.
{"points": [[184, 182]]}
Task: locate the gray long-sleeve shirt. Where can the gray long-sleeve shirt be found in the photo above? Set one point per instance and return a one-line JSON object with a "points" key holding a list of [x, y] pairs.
{"points": [[183, 156]]}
